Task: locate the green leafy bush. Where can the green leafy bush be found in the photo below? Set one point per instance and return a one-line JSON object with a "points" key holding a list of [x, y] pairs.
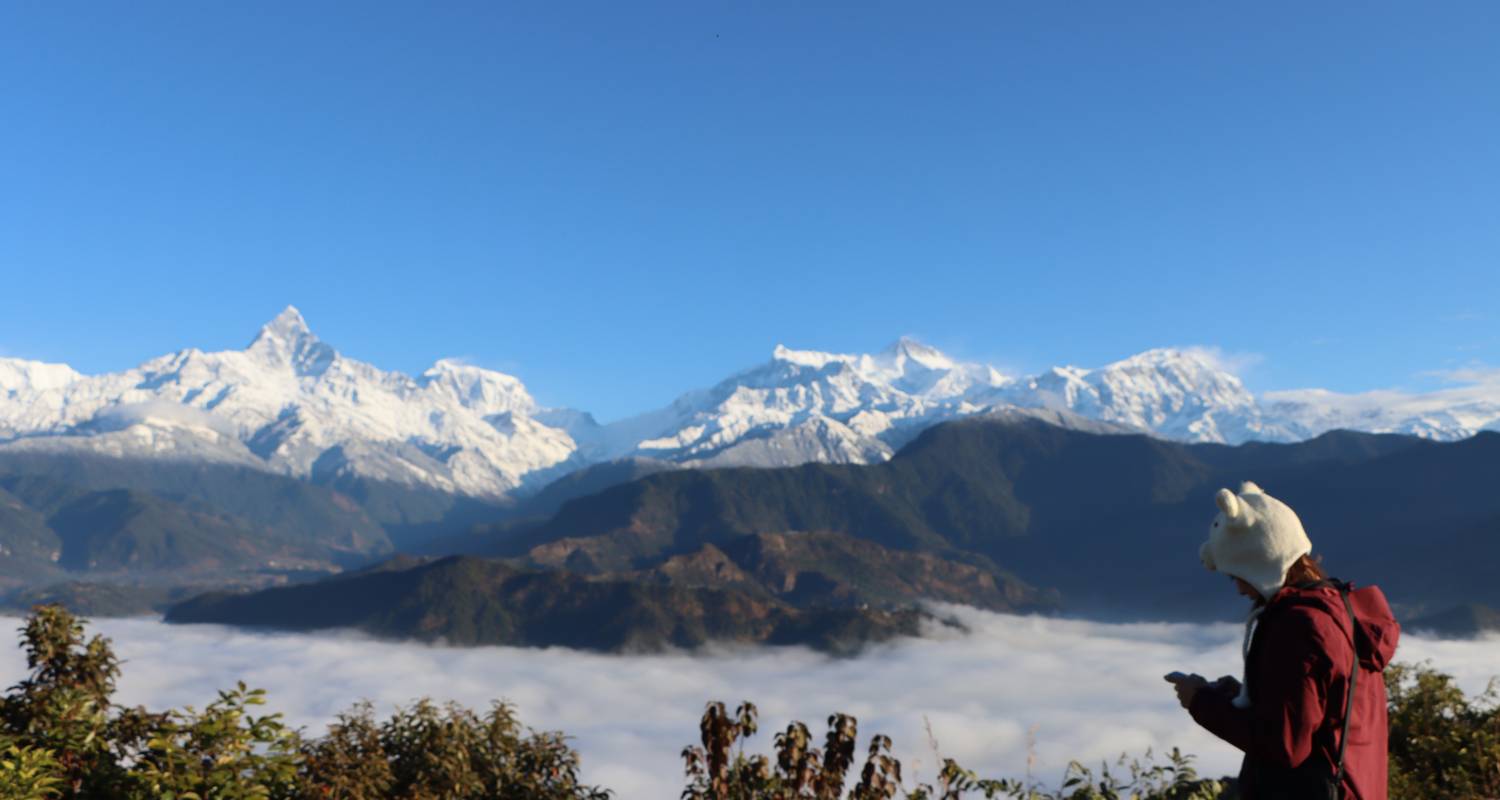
{"points": [[62, 737], [61, 714], [223, 752], [28, 773], [718, 769], [450, 752], [1442, 744]]}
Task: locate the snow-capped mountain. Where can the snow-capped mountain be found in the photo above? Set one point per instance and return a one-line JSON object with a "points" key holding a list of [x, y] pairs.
{"points": [[802, 406], [1453, 413], [809, 406], [291, 403], [1178, 394]]}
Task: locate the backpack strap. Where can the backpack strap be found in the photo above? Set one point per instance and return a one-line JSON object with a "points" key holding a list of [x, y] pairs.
{"points": [[1343, 590], [1353, 681]]}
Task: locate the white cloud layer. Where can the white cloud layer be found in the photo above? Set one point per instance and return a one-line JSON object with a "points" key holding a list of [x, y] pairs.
{"points": [[1091, 690]]}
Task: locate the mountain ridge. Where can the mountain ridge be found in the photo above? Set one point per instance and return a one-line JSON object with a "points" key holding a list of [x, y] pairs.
{"points": [[1033, 497], [292, 404]]}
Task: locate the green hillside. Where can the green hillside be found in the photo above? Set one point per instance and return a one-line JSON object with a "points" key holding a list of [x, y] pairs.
{"points": [[472, 601]]}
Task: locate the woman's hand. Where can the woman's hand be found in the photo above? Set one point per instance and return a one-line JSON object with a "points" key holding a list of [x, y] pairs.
{"points": [[1227, 685], [1187, 687]]}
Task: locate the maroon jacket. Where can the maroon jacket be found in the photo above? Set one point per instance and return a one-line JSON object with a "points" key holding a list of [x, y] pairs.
{"points": [[1298, 675]]}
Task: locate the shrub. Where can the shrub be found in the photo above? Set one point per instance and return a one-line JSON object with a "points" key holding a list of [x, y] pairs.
{"points": [[62, 737], [58, 717], [718, 769], [224, 752], [28, 773], [1442, 743]]}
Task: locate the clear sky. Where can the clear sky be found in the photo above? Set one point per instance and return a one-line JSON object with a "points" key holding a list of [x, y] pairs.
{"points": [[620, 201]]}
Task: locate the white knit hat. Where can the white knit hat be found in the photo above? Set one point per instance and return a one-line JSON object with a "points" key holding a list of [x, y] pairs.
{"points": [[1255, 538]]}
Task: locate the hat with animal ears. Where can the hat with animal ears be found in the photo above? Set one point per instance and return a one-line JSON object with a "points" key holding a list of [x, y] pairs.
{"points": [[1255, 538]]}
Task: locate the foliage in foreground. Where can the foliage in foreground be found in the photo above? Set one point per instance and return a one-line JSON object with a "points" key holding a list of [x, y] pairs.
{"points": [[1443, 744], [718, 769], [62, 738]]}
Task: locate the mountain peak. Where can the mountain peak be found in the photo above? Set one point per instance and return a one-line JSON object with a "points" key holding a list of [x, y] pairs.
{"points": [[477, 388], [287, 340], [909, 349], [806, 358], [288, 326], [19, 374], [1168, 356], [443, 365]]}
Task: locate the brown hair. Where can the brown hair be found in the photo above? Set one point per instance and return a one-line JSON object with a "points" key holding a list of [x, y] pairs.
{"points": [[1305, 570]]}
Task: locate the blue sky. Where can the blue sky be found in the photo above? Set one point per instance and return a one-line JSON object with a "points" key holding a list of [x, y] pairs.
{"points": [[621, 201]]}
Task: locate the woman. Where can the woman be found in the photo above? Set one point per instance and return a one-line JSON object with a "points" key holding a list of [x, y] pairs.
{"points": [[1291, 713]]}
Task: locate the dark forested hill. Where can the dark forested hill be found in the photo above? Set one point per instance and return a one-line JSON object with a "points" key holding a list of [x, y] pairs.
{"points": [[269, 504], [145, 528], [469, 601], [1111, 521], [832, 569]]}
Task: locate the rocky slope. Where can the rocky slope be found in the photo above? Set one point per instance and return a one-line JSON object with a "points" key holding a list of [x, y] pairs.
{"points": [[829, 570]]}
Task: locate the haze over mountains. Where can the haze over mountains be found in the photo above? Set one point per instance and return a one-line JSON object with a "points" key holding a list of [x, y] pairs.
{"points": [[291, 404]]}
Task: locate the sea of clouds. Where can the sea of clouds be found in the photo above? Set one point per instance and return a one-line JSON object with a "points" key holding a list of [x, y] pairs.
{"points": [[1013, 690]]}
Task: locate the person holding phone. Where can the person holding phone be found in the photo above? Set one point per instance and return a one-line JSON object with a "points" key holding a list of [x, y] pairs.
{"points": [[1310, 712]]}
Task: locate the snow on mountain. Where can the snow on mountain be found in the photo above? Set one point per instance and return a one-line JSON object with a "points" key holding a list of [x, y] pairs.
{"points": [[811, 406], [35, 375], [804, 406], [1179, 394], [291, 403], [1452, 413]]}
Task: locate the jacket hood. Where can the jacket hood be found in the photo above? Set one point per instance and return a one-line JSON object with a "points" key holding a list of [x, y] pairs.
{"points": [[1376, 631]]}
